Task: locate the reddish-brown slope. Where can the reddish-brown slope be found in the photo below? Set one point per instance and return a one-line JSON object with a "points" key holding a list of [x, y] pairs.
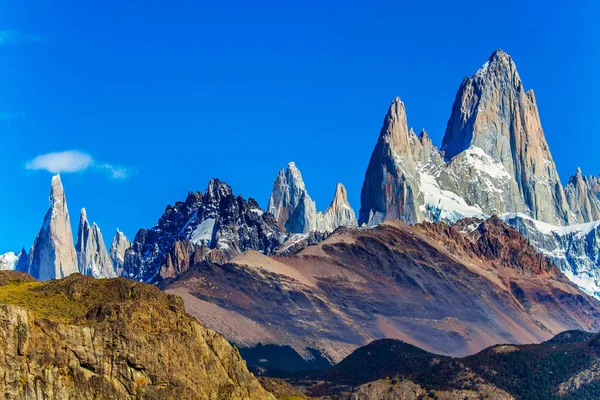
{"points": [[431, 285]]}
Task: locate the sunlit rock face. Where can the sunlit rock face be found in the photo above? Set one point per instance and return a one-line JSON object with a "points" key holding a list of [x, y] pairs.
{"points": [[53, 253]]}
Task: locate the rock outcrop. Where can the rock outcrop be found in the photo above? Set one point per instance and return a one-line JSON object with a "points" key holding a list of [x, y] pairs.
{"points": [[53, 254], [119, 245], [112, 339], [218, 223], [92, 257]]}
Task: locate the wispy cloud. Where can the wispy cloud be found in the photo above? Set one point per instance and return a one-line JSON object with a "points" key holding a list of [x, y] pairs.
{"points": [[16, 37], [76, 161]]}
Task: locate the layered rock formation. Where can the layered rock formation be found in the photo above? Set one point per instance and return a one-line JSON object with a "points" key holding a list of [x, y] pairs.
{"points": [[216, 225], [92, 257], [111, 339], [119, 245], [53, 254], [453, 290], [296, 212]]}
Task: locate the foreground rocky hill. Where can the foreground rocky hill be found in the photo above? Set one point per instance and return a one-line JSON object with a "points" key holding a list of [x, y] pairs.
{"points": [[81, 338], [450, 290]]}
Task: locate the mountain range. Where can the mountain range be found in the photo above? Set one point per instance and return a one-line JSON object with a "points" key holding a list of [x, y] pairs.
{"points": [[454, 249]]}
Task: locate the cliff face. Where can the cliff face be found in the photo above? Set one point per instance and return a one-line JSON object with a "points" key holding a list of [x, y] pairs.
{"points": [[80, 338], [492, 112], [391, 186]]}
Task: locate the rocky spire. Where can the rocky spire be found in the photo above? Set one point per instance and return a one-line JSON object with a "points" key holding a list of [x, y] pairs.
{"points": [[339, 213], [492, 112], [53, 254], [291, 205], [23, 262], [582, 200], [92, 257], [118, 247], [391, 184]]}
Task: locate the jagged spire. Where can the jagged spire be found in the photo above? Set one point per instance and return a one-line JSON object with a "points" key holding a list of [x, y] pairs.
{"points": [[290, 203], [92, 256], [339, 213], [53, 254]]}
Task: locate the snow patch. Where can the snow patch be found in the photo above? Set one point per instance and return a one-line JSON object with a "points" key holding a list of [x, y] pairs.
{"points": [[203, 232], [444, 205], [8, 261], [579, 230]]}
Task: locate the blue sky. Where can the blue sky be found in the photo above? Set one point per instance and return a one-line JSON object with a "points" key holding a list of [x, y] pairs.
{"points": [[163, 96]]}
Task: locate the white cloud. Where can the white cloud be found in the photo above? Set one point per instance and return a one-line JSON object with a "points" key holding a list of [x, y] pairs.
{"points": [[16, 37], [75, 161], [115, 171], [63, 161]]}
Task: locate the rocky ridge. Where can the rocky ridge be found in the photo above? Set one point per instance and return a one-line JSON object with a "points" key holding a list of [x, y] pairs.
{"points": [[216, 225], [447, 289]]}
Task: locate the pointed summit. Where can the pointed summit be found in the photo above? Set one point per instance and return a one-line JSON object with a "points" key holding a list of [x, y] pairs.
{"points": [[53, 254], [23, 262], [391, 182], [339, 213], [493, 113], [290, 204], [395, 130]]}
